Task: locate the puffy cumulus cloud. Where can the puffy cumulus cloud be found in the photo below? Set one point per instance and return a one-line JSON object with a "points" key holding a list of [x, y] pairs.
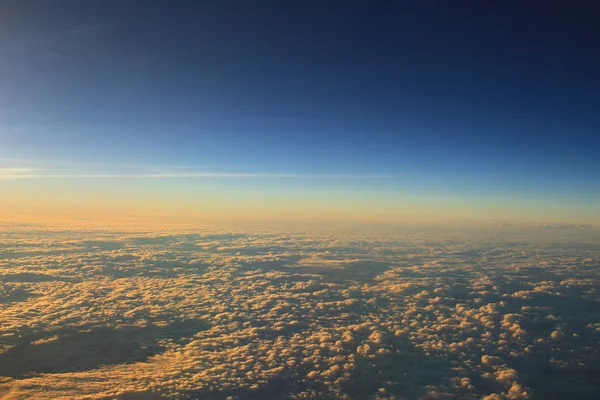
{"points": [[100, 314]]}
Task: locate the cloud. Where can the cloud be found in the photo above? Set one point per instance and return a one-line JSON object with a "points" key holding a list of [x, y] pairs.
{"points": [[211, 314], [178, 173]]}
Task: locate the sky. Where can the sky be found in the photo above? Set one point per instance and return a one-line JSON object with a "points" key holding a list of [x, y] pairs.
{"points": [[387, 111]]}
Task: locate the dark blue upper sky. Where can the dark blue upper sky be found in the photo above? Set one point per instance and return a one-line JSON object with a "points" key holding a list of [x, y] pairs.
{"points": [[509, 89]]}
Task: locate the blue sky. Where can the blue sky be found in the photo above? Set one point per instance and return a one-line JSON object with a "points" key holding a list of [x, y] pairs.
{"points": [[472, 101]]}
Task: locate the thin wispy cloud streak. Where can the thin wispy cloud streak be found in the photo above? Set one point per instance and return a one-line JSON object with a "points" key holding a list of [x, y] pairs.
{"points": [[193, 172], [26, 173]]}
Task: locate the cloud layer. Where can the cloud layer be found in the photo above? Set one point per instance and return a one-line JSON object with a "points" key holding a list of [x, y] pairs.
{"points": [[100, 314]]}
